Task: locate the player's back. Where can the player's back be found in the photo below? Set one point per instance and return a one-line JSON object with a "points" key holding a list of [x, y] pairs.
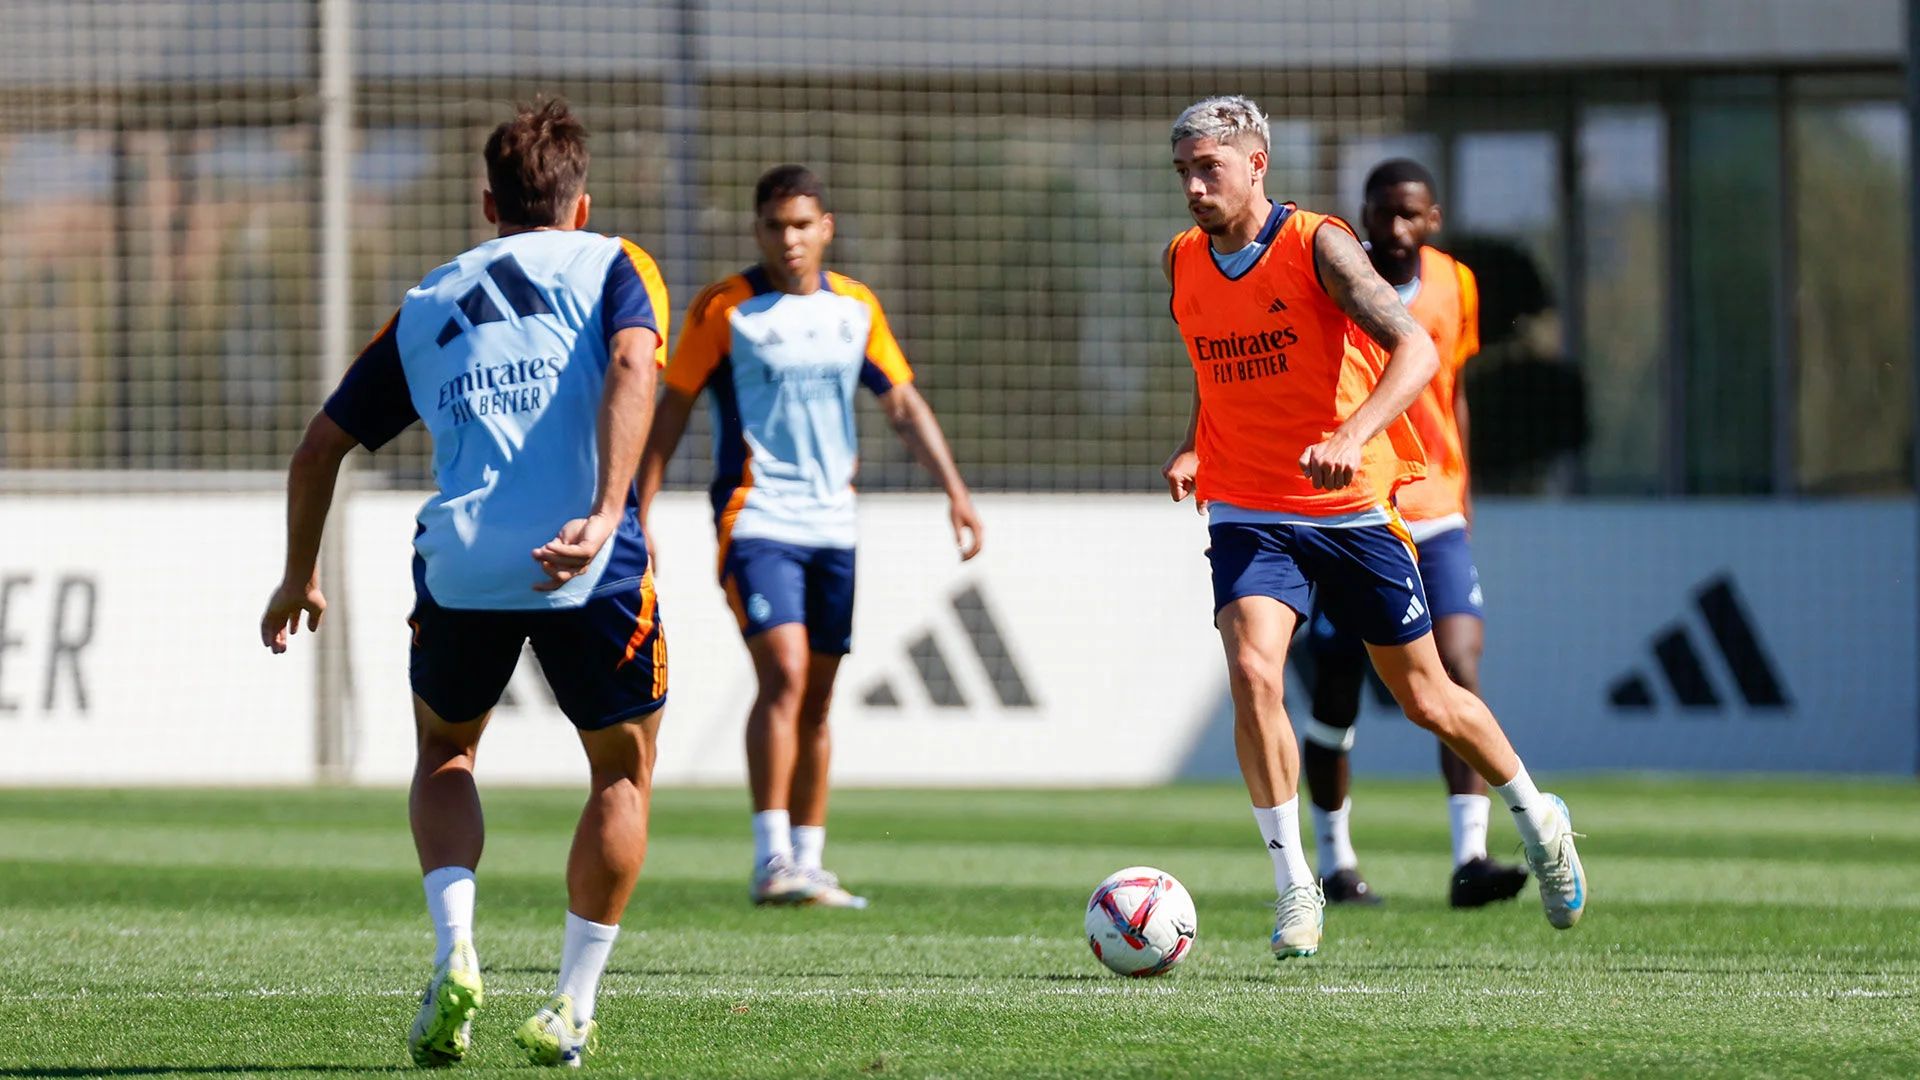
{"points": [[1278, 367], [505, 351]]}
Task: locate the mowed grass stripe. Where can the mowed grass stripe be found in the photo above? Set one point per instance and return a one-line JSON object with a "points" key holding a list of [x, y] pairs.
{"points": [[282, 934]]}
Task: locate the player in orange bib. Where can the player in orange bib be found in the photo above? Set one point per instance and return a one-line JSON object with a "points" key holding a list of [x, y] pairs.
{"points": [[1400, 216], [1305, 362]]}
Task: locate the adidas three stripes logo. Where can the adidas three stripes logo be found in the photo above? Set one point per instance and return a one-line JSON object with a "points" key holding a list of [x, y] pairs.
{"points": [[1678, 658], [519, 291]]}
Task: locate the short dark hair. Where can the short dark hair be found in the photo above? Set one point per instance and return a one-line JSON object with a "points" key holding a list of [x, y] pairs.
{"points": [[537, 163], [1396, 171], [783, 182]]}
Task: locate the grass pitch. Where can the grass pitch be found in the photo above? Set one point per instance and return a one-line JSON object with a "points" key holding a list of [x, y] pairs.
{"points": [[1737, 929]]}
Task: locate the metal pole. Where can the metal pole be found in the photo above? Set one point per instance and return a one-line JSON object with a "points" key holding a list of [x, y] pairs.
{"points": [[684, 268], [333, 697], [1913, 276]]}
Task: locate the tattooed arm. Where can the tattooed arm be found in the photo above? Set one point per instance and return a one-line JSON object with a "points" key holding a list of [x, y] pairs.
{"points": [[1373, 305]]}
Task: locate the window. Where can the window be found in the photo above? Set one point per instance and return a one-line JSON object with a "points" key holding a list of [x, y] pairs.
{"points": [[1853, 412], [1732, 242], [1623, 214]]}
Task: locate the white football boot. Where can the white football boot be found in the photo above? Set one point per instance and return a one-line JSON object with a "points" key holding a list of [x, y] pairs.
{"points": [[443, 1029], [1563, 884], [778, 881], [1299, 916], [829, 893]]}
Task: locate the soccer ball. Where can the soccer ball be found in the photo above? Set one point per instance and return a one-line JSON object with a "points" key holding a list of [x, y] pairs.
{"points": [[1140, 921]]}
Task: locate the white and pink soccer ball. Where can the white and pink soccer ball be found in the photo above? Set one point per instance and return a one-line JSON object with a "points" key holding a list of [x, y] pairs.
{"points": [[1140, 921]]}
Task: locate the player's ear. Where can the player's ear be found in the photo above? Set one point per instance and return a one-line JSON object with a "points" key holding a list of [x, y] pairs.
{"points": [[1434, 223], [1257, 162], [826, 227], [489, 208], [582, 209]]}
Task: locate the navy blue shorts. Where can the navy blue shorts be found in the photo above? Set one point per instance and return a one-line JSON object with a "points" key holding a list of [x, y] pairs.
{"points": [[605, 660], [1364, 576], [769, 583], [1452, 584]]}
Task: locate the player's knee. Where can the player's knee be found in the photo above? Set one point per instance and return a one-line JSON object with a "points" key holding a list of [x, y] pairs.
{"points": [[1253, 672], [1436, 707], [783, 683], [1336, 705], [440, 750]]}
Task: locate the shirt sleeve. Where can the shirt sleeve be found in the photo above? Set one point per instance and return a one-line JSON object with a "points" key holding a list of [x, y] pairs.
{"points": [[886, 366], [1468, 344], [703, 341], [635, 298], [372, 402]]}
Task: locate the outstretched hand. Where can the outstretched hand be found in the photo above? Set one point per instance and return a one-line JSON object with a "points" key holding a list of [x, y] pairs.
{"points": [[568, 554], [282, 619]]}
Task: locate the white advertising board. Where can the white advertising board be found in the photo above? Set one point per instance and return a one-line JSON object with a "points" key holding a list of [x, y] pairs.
{"points": [[1076, 650], [1748, 636], [130, 644]]}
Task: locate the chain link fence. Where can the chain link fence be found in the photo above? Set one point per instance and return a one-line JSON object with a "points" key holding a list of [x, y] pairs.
{"points": [[1000, 178]]}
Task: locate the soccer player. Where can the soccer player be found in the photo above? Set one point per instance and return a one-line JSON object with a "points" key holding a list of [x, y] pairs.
{"points": [[780, 348], [1400, 217], [531, 358], [1297, 441]]}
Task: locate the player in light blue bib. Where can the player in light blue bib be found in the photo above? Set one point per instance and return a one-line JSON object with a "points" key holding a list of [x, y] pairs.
{"points": [[780, 350], [531, 360]]}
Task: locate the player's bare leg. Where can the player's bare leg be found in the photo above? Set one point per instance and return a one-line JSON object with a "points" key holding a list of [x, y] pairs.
{"points": [[1255, 631], [444, 805], [449, 832], [610, 843], [813, 751], [808, 800], [1339, 677], [781, 658], [1430, 698], [609, 846], [1477, 879]]}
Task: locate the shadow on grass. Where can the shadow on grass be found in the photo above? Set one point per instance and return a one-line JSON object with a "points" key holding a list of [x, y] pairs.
{"points": [[198, 1069], [736, 973]]}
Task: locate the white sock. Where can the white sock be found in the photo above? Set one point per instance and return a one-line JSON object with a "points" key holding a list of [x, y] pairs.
{"points": [[1469, 816], [772, 835], [450, 902], [583, 959], [809, 841], [1280, 829], [1532, 814], [1333, 843]]}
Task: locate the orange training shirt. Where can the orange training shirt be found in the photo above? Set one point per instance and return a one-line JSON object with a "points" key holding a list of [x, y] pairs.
{"points": [[1448, 307], [1279, 366]]}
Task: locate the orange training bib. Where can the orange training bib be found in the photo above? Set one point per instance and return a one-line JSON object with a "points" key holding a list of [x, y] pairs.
{"points": [[1279, 367]]}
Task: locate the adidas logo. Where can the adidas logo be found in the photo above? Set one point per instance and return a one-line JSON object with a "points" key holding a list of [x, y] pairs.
{"points": [[1277, 306], [519, 291], [1678, 658], [773, 338], [1274, 845], [935, 674], [1415, 608]]}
